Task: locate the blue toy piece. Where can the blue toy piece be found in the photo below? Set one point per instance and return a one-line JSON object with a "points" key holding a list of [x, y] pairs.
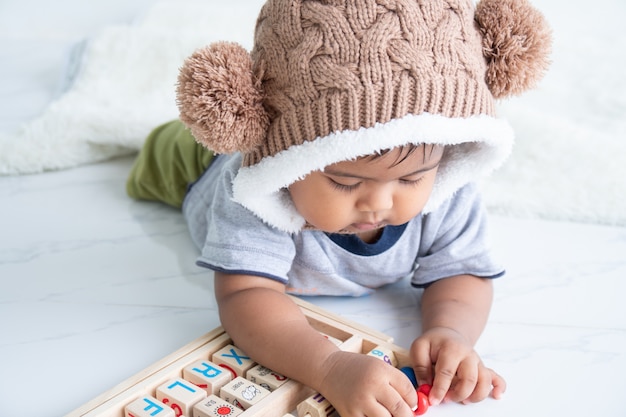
{"points": [[408, 371]]}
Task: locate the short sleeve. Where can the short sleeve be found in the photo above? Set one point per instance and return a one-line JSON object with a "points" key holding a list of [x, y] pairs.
{"points": [[455, 241], [231, 238]]}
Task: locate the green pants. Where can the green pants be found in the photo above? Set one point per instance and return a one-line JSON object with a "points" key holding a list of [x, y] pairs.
{"points": [[168, 163]]}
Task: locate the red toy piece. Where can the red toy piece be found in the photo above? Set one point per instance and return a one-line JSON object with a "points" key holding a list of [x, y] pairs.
{"points": [[425, 388], [422, 400]]}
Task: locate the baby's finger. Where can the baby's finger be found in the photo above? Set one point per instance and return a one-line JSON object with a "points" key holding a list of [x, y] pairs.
{"points": [[397, 408], [404, 387], [482, 387], [467, 376], [499, 385], [422, 363], [445, 370]]}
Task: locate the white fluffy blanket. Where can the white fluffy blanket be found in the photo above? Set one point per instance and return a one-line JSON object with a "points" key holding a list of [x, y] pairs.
{"points": [[569, 161]]}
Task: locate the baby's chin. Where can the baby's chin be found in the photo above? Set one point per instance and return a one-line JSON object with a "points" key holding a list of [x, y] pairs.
{"points": [[361, 229], [351, 229]]}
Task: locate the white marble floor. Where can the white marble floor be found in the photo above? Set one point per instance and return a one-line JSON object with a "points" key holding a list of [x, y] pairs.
{"points": [[94, 287]]}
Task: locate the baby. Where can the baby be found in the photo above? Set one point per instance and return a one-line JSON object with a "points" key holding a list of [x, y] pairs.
{"points": [[340, 155]]}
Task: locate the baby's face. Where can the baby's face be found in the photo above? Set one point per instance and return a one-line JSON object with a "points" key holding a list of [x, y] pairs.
{"points": [[366, 194]]}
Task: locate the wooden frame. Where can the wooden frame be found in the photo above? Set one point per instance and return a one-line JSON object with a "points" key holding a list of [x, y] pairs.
{"points": [[354, 337]]}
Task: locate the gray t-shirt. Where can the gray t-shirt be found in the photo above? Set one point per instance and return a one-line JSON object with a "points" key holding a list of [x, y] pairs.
{"points": [[450, 240]]}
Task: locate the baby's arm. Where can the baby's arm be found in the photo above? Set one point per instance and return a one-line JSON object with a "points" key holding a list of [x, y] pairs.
{"points": [[454, 314], [266, 324]]}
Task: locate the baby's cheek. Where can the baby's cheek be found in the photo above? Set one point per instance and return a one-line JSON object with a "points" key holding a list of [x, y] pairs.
{"points": [[328, 221]]}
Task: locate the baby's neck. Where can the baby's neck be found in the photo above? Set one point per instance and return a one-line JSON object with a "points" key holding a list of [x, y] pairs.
{"points": [[371, 236]]}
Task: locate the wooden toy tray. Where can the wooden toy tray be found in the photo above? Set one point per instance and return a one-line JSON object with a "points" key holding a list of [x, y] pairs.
{"points": [[352, 337]]}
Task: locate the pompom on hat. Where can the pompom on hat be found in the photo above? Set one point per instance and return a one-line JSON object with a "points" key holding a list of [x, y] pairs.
{"points": [[333, 80]]}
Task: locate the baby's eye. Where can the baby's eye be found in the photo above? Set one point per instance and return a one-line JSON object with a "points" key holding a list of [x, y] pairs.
{"points": [[344, 187], [411, 181]]}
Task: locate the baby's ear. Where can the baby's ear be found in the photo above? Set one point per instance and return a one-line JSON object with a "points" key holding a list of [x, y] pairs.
{"points": [[221, 100], [516, 43]]}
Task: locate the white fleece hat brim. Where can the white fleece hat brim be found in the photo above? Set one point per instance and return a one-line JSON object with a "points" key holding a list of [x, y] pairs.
{"points": [[475, 146]]}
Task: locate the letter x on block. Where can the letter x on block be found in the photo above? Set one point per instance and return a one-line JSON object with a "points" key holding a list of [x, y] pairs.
{"points": [[234, 359]]}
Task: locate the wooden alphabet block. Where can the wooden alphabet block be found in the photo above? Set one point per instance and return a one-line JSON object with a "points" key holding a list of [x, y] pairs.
{"points": [[148, 406], [316, 406], [243, 393], [213, 406], [385, 354], [265, 377], [207, 375], [180, 395], [233, 359]]}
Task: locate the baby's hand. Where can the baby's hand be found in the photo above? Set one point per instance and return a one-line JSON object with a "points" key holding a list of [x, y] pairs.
{"points": [[358, 385], [443, 358]]}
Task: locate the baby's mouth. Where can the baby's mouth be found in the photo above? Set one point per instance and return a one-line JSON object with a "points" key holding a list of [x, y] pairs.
{"points": [[363, 227]]}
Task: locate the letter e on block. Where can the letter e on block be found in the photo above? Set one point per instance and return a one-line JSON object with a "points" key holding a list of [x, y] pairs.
{"points": [[207, 375], [148, 406], [316, 406], [180, 395]]}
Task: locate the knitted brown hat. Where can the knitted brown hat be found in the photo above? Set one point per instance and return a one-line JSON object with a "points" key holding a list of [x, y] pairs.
{"points": [[332, 80]]}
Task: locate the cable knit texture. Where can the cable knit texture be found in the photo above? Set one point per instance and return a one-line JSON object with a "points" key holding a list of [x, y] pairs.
{"points": [[325, 66], [334, 65]]}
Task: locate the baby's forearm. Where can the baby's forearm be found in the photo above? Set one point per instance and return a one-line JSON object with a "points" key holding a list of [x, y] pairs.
{"points": [[461, 303], [272, 330]]}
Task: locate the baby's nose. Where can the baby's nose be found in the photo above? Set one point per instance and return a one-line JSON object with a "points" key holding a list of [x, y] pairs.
{"points": [[376, 199]]}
